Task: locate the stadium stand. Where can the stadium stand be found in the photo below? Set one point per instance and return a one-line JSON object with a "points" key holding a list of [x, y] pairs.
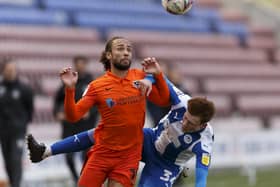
{"points": [[219, 52], [234, 51], [223, 37]]}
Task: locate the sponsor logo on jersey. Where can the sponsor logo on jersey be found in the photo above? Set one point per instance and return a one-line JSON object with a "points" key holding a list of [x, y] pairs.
{"points": [[110, 103], [136, 84], [187, 138], [205, 159]]}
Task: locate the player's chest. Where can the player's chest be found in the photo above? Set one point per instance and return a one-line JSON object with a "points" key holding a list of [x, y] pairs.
{"points": [[179, 139]]}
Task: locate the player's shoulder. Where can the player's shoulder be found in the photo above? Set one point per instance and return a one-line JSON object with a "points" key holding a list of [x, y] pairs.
{"points": [[207, 138], [136, 73]]}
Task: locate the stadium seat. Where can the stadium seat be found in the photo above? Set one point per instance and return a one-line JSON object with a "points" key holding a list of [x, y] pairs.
{"points": [[238, 29], [261, 31], [206, 54], [234, 16], [209, 14], [18, 3], [140, 37], [50, 85], [128, 8], [229, 70], [107, 21], [50, 50], [222, 103], [32, 17], [237, 124], [44, 33], [191, 85], [263, 43], [277, 56], [237, 86], [43, 109], [259, 104], [209, 3], [275, 122]]}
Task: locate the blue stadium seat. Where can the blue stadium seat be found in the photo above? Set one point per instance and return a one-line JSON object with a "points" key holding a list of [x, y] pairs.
{"points": [[18, 3], [108, 6], [208, 14], [238, 29], [32, 16], [109, 21]]}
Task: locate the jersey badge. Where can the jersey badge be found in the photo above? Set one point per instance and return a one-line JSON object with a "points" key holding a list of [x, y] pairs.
{"points": [[187, 138]]}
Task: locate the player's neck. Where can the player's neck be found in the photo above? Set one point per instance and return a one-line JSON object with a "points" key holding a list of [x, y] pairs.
{"points": [[119, 73]]}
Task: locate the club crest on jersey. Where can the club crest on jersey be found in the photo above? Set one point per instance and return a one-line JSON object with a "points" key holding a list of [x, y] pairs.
{"points": [[187, 138], [110, 103], [205, 159], [136, 84]]}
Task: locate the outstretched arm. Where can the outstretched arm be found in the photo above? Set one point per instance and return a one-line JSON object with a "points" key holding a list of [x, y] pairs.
{"points": [[201, 177]]}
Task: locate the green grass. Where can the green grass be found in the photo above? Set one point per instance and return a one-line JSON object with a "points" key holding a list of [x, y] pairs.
{"points": [[234, 178]]}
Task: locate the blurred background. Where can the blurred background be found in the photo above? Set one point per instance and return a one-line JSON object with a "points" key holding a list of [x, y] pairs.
{"points": [[223, 49]]}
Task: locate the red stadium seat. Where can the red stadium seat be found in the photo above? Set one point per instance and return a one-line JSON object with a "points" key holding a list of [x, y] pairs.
{"points": [[237, 124], [43, 109], [229, 70], [222, 103], [202, 54], [277, 56], [265, 43], [50, 85], [176, 39], [234, 16], [261, 31], [51, 50], [259, 104], [191, 85], [53, 34], [238, 86], [209, 3]]}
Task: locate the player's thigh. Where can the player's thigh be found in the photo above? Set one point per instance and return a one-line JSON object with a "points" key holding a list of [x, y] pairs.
{"points": [[113, 183], [156, 175], [95, 172], [125, 171], [92, 177]]}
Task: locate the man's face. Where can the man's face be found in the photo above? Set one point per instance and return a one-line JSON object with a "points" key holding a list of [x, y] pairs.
{"points": [[191, 123], [121, 54], [10, 71], [80, 66]]}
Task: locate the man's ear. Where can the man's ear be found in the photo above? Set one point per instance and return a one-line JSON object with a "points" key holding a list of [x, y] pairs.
{"points": [[204, 125], [108, 55]]}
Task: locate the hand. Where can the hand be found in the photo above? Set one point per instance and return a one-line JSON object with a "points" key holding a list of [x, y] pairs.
{"points": [[60, 116], [150, 65], [144, 85], [86, 116], [69, 77]]}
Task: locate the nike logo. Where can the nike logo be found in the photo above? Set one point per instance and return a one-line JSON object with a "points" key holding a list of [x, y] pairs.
{"points": [[107, 89]]}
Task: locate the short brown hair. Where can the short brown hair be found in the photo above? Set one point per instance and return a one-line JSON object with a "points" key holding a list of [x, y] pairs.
{"points": [[80, 58], [201, 107]]}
